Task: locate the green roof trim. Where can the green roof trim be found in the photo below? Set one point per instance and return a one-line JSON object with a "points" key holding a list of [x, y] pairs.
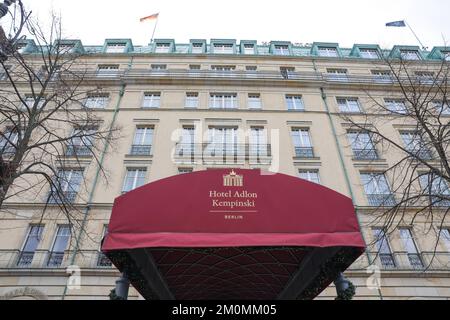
{"points": [[396, 51], [197, 41], [439, 53], [247, 42]]}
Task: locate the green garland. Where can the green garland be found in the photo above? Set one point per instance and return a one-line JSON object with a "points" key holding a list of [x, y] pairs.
{"points": [[348, 293]]}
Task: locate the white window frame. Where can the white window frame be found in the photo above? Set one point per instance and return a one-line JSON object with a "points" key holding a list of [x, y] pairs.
{"points": [[108, 70], [377, 182], [192, 100], [302, 136], [328, 52], [281, 49], [369, 53], [151, 100], [396, 105], [249, 48], [197, 48], [254, 101], [223, 101], [348, 104], [309, 175], [138, 179], [337, 74], [294, 102], [162, 48], [223, 48], [118, 47], [97, 101], [142, 134], [408, 54]]}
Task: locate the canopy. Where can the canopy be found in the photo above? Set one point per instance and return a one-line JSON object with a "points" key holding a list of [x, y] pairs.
{"points": [[232, 234]]}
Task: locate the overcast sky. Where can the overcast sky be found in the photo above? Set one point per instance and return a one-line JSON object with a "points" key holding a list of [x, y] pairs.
{"points": [[343, 21]]}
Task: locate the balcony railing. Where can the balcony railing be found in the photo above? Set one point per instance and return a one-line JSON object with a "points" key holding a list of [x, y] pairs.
{"points": [[44, 259], [223, 153], [387, 260], [381, 200], [78, 151], [304, 152], [67, 197], [365, 154], [141, 150]]}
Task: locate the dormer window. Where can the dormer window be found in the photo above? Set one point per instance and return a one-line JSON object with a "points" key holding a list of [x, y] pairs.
{"points": [[65, 48], [369, 53], [249, 49], [327, 52], [281, 49], [21, 47], [446, 55], [197, 48], [409, 54], [162, 48], [116, 47], [223, 48]]}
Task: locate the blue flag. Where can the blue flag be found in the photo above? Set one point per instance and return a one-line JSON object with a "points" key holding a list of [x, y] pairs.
{"points": [[396, 24]]}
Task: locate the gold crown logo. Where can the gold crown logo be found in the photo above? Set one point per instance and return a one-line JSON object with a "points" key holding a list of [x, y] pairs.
{"points": [[233, 180]]}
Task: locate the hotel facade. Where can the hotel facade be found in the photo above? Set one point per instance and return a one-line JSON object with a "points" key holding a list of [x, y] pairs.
{"points": [[223, 104]]}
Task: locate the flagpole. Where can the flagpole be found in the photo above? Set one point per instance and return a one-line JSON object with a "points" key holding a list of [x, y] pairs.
{"points": [[154, 29], [415, 35]]}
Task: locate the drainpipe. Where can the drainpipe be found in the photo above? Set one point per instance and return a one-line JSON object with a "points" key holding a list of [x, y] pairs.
{"points": [[342, 163], [97, 176]]}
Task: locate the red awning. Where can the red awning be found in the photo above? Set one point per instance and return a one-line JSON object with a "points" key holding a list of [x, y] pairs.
{"points": [[184, 217]]}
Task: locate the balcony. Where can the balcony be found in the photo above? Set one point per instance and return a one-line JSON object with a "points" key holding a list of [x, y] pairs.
{"points": [[381, 200], [67, 197], [222, 153], [365, 154], [304, 152], [141, 150], [78, 151], [25, 259], [55, 259]]}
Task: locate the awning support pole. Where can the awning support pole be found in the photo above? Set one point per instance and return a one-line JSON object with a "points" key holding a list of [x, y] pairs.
{"points": [[122, 286]]}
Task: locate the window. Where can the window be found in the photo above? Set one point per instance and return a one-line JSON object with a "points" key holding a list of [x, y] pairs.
{"points": [[97, 101], [384, 249], [162, 48], [409, 54], [103, 260], [287, 72], [425, 77], [159, 67], [56, 255], [369, 53], [194, 67], [302, 143], [134, 178], [310, 175], [251, 71], [81, 143], [416, 145], [223, 48], [223, 71], [327, 52], [377, 189], [436, 189], [349, 105], [258, 147], [142, 143], [411, 249], [108, 70], [223, 145], [3, 75], [8, 142], [223, 101], [444, 236], [254, 101], [30, 101], [21, 47], [382, 76], [397, 106], [67, 185], [446, 55], [191, 100], [152, 100], [362, 145], [185, 170], [442, 107], [116, 47], [197, 48], [186, 146], [249, 48], [281, 50], [337, 74], [194, 70], [294, 102], [32, 240]]}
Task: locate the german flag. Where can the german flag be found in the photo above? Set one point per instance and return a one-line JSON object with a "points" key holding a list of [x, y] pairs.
{"points": [[152, 17]]}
